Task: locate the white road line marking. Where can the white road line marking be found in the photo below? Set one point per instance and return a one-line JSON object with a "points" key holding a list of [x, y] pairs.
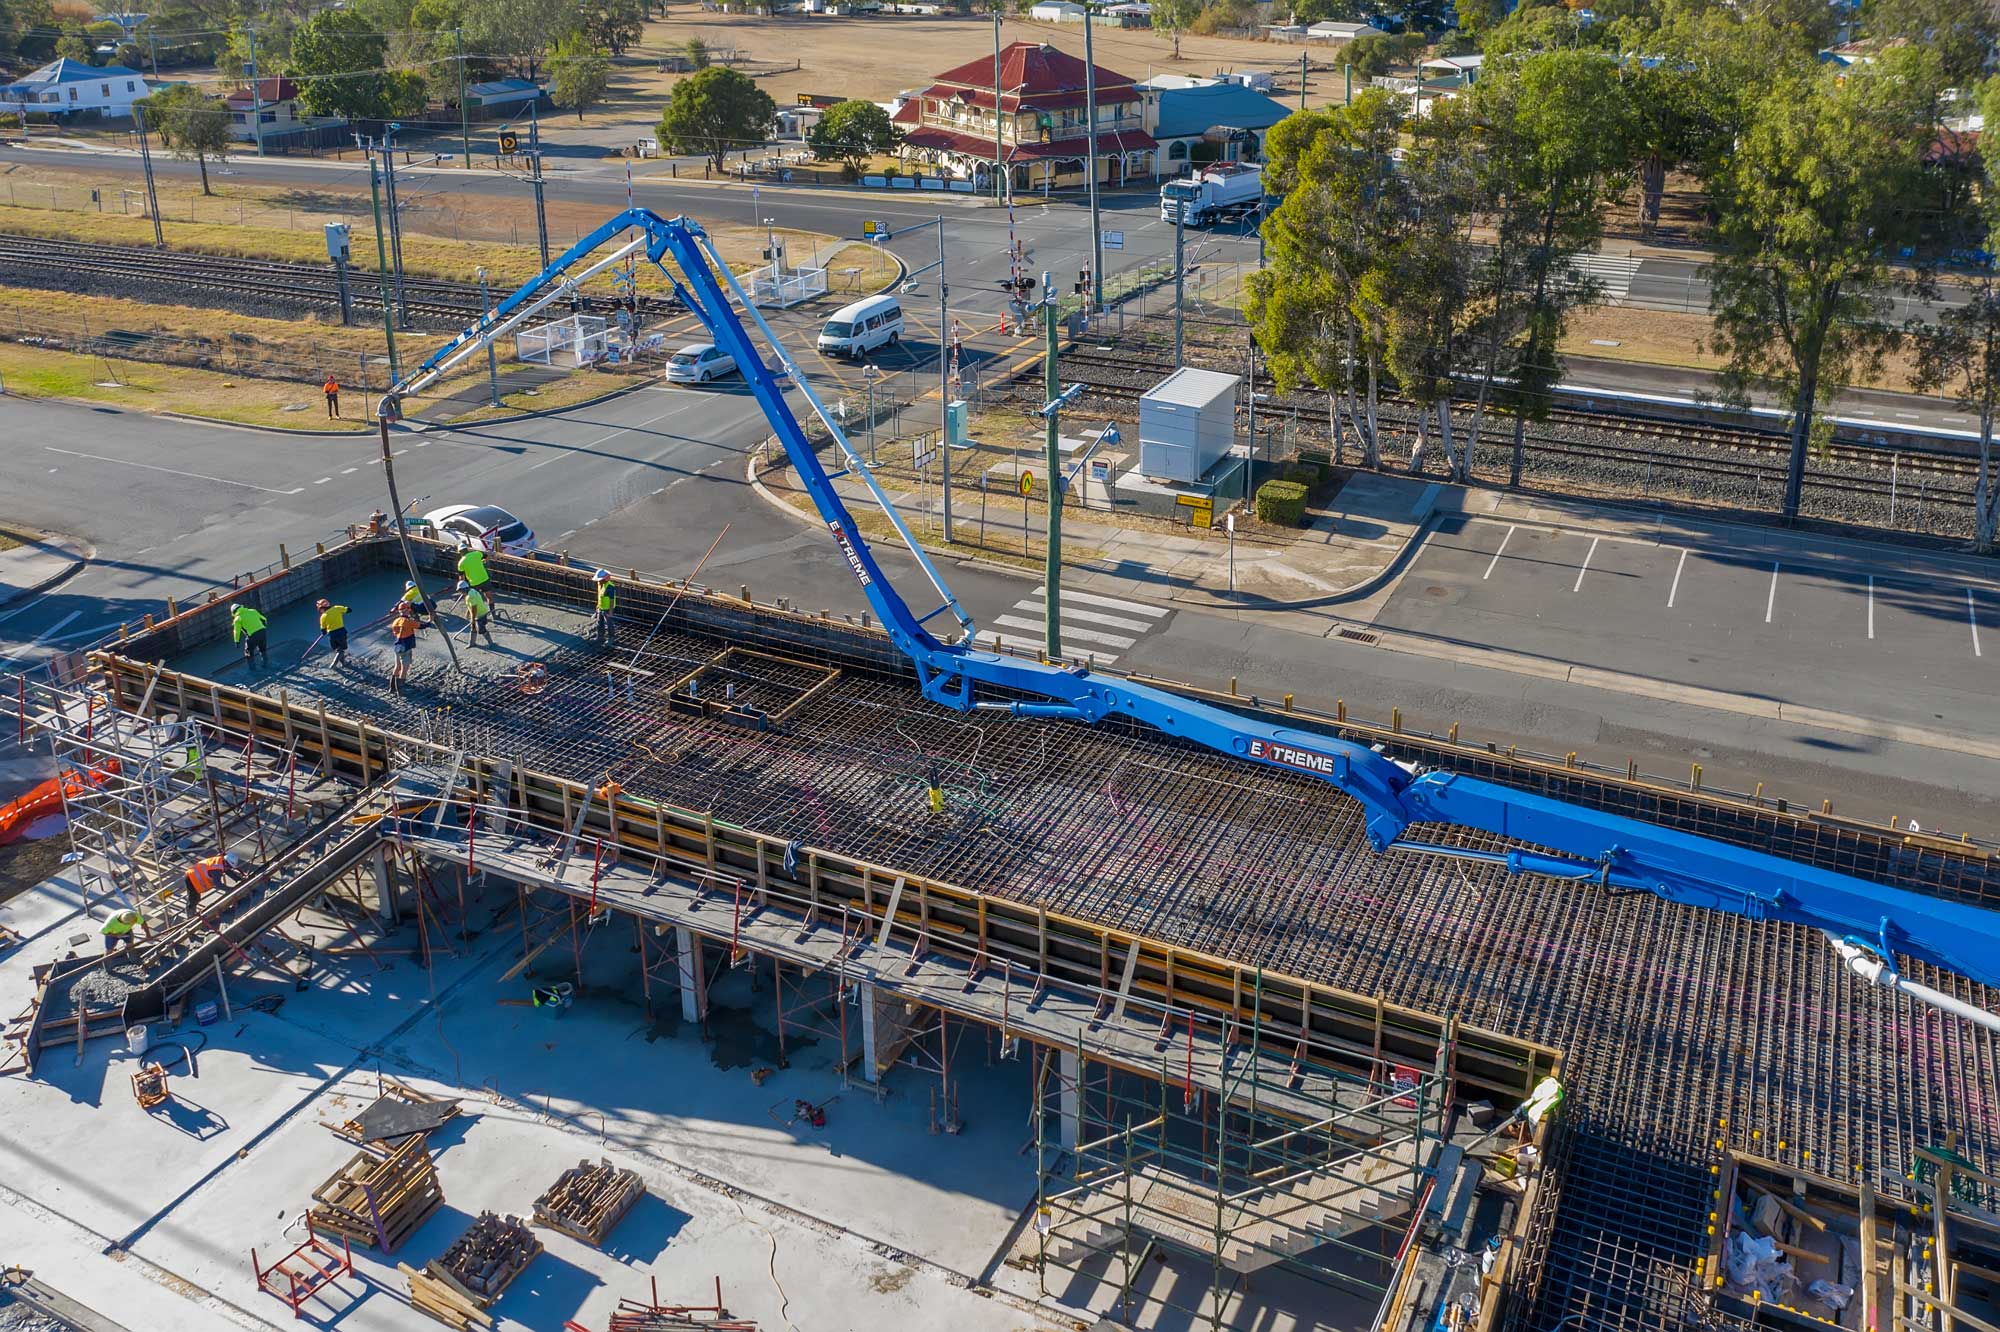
{"points": [[83, 633], [175, 471], [1871, 605], [1578, 586], [1113, 603], [1081, 635], [1675, 590], [1509, 536], [1036, 644], [1089, 617], [323, 480], [45, 634], [1972, 618], [1771, 601], [349, 471], [585, 448]]}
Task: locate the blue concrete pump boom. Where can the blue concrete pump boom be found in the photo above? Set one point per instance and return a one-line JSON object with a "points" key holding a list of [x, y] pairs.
{"points": [[1869, 923]]}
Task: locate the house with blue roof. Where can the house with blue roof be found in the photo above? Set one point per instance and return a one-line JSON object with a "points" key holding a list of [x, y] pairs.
{"points": [[65, 87], [1200, 121]]}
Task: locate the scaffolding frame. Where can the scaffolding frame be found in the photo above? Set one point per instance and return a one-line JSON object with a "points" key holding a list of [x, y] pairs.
{"points": [[1223, 1178]]}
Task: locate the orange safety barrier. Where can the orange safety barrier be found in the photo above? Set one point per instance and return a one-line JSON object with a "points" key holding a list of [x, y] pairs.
{"points": [[18, 815]]}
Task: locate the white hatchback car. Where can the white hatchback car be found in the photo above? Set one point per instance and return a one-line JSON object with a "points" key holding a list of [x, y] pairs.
{"points": [[698, 363], [488, 524]]}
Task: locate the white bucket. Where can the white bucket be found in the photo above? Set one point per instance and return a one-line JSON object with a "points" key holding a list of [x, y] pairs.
{"points": [[135, 1038]]}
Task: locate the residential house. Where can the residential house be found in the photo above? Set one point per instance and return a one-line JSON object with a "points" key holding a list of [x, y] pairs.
{"points": [[273, 102], [1132, 14], [499, 98], [1450, 73], [66, 87], [1285, 32], [1057, 11], [1040, 119], [1207, 122], [1336, 33]]}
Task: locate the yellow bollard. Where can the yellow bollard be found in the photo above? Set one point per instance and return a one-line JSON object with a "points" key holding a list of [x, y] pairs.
{"points": [[284, 556], [1396, 720], [1694, 777], [1288, 702]]}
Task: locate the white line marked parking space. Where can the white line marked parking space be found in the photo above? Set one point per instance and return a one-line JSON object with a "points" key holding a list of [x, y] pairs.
{"points": [[1771, 601], [1972, 618], [1578, 586], [1504, 539], [1675, 590], [1871, 605]]}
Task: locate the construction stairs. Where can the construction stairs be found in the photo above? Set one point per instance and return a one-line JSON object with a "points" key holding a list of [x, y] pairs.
{"points": [[1258, 1227]]}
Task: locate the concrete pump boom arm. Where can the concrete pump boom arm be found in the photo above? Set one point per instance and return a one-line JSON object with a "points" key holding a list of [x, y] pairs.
{"points": [[1559, 839]]}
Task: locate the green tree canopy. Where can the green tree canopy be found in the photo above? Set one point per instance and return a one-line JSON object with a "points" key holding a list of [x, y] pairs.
{"points": [[614, 25], [1812, 203], [579, 73], [191, 123], [337, 57], [1960, 32], [1173, 17], [1326, 11], [713, 111], [73, 45], [851, 132]]}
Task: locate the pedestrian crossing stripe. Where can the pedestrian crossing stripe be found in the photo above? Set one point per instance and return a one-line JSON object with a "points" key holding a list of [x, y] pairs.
{"points": [[1096, 633]]}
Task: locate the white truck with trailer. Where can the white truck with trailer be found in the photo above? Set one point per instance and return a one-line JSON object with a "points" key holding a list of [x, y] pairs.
{"points": [[1226, 188]]}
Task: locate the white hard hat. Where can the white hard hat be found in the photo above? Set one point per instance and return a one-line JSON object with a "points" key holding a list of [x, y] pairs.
{"points": [[601, 576], [232, 860], [410, 586]]}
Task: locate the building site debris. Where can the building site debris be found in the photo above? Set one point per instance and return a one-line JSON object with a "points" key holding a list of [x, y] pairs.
{"points": [[493, 1251], [653, 1316], [587, 1200], [380, 1200], [400, 1111], [433, 1293]]}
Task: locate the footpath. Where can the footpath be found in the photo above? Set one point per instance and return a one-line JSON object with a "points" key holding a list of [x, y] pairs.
{"points": [[37, 563]]}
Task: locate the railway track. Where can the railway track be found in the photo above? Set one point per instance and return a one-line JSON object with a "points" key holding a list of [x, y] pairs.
{"points": [[1127, 377], [434, 299]]}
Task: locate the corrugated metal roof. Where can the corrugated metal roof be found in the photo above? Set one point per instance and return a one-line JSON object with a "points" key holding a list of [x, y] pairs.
{"points": [[1190, 111], [1190, 387]]}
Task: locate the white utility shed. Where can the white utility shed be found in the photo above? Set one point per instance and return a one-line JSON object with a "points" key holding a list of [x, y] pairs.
{"points": [[1187, 423]]}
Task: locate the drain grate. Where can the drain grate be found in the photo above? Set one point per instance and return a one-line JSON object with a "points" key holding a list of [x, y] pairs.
{"points": [[1357, 635]]}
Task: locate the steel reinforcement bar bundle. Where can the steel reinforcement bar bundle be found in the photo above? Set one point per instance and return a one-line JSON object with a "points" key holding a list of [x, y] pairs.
{"points": [[1678, 1028]]}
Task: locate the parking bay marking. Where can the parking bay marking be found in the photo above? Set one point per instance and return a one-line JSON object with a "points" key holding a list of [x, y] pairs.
{"points": [[1505, 538], [1578, 586]]}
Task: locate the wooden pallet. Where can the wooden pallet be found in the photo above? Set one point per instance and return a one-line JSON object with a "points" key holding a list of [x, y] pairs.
{"points": [[377, 1200], [402, 1091], [587, 1201], [484, 1260]]}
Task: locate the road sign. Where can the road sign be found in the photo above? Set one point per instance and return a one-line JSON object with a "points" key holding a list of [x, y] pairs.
{"points": [[872, 229], [509, 141], [1027, 483], [1114, 240], [1201, 509]]}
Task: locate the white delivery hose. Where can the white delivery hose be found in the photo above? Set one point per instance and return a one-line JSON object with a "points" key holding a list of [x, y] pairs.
{"points": [[1869, 967]]}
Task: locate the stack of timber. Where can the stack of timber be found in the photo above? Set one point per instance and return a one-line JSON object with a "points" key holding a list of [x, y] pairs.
{"points": [[587, 1201], [493, 1251], [436, 1293], [635, 1317], [379, 1201], [400, 1111]]}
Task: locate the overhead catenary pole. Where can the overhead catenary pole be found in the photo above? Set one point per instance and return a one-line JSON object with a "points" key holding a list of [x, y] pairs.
{"points": [[1090, 153], [1180, 280], [999, 149], [395, 225], [1052, 459], [146, 161], [492, 366], [1302, 80], [535, 163], [382, 262]]}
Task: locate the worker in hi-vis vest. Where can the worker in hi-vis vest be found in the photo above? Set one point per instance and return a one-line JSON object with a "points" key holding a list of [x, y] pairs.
{"points": [[210, 873], [607, 604], [248, 627], [120, 925]]}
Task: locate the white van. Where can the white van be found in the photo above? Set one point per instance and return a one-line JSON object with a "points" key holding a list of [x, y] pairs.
{"points": [[857, 329]]}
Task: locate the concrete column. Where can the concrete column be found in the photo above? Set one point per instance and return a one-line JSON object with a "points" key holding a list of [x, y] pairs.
{"points": [[387, 909], [870, 1067], [694, 1003], [1069, 1097]]}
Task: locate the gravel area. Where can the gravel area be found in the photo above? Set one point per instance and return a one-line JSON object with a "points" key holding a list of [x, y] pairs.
{"points": [[15, 1317]]}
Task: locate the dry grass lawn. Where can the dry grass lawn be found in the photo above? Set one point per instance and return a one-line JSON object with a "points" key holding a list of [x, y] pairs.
{"points": [[1664, 337]]}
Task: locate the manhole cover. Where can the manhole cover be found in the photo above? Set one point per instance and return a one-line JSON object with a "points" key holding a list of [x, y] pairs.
{"points": [[1435, 591]]}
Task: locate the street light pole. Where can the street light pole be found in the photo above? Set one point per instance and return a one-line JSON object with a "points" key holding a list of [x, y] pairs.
{"points": [[464, 130], [944, 384], [999, 151], [1090, 131], [1180, 279], [395, 223], [382, 260], [1052, 387]]}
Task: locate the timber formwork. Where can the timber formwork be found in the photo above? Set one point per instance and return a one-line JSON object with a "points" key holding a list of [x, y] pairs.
{"points": [[1068, 846]]}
